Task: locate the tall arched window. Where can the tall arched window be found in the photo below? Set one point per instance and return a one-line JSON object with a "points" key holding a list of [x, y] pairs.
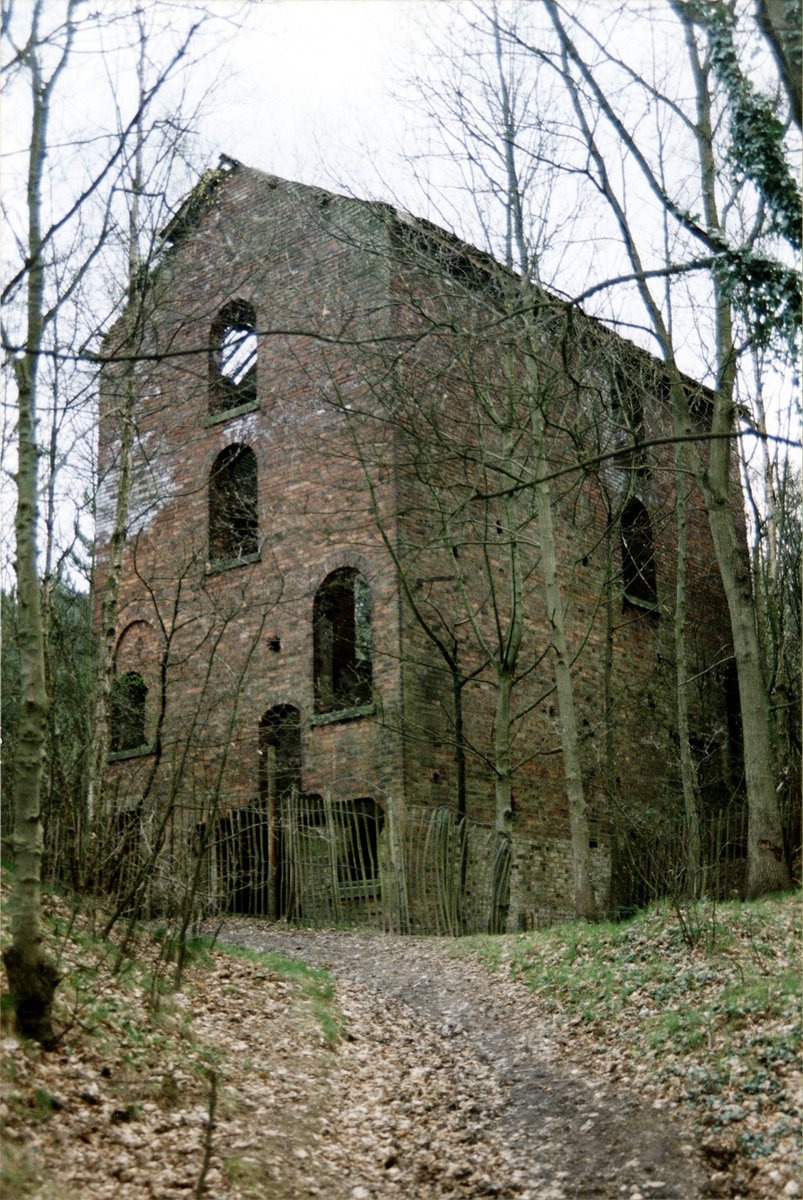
{"points": [[341, 622], [131, 706], [233, 522], [638, 555], [233, 357], [279, 754], [127, 712]]}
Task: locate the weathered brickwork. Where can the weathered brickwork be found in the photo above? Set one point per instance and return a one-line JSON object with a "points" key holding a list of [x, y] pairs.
{"points": [[333, 459]]}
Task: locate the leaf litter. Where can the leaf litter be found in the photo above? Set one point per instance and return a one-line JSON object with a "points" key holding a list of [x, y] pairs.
{"points": [[587, 1061]]}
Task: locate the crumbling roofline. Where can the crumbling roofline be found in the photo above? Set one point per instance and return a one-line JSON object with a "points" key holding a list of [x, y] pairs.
{"points": [[449, 252]]}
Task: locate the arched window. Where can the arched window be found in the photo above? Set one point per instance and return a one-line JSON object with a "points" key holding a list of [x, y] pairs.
{"points": [[341, 623], [233, 523], [638, 555], [233, 357], [127, 712], [279, 754], [131, 705]]}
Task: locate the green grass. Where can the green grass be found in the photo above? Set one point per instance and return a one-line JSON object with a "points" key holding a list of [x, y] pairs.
{"points": [[716, 1016], [312, 984]]}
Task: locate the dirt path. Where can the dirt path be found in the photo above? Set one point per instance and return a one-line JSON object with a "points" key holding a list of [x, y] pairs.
{"points": [[445, 1087]]}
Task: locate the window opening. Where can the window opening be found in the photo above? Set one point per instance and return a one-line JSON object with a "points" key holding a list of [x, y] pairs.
{"points": [[342, 642], [123, 854], [638, 555], [279, 753], [233, 526], [233, 357], [279, 790], [127, 712]]}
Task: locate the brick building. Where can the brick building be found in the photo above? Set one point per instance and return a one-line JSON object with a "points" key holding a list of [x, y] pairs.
{"points": [[333, 558]]}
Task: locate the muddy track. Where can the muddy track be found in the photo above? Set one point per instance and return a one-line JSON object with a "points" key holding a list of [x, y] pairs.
{"points": [[448, 1086]]}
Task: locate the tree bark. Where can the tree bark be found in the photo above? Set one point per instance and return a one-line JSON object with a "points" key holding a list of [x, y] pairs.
{"points": [[582, 890], [32, 978], [688, 769]]}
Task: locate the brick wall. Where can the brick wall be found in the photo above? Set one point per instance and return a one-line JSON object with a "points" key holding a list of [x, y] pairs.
{"points": [[348, 373]]}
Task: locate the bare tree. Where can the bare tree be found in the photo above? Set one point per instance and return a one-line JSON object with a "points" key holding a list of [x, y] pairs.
{"points": [[715, 471], [32, 977], [55, 263], [148, 187], [501, 153]]}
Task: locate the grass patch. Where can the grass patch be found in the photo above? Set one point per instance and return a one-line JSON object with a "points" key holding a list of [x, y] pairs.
{"points": [[700, 1004], [312, 984]]}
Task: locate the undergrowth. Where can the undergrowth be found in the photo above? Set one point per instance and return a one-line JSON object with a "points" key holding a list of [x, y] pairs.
{"points": [[136, 1050], [697, 1002]]}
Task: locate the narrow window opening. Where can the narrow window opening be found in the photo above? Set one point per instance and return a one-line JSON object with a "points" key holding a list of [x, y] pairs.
{"points": [[123, 853], [279, 754], [342, 642], [638, 555], [127, 715], [233, 357], [233, 525], [627, 417]]}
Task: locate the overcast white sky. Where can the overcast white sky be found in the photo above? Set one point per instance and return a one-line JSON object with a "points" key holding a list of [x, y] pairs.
{"points": [[310, 87], [312, 82]]}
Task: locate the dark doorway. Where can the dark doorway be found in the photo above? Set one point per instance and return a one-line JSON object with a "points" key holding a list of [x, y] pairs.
{"points": [[361, 822], [279, 788], [243, 840]]}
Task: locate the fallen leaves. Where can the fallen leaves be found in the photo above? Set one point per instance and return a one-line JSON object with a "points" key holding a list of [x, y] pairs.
{"points": [[388, 1087]]}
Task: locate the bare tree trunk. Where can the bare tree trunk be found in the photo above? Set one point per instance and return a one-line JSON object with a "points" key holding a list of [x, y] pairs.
{"points": [[688, 769], [583, 893], [519, 252], [104, 672], [32, 978], [767, 869]]}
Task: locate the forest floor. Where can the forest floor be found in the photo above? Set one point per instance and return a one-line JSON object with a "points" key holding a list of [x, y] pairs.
{"points": [[656, 1058]]}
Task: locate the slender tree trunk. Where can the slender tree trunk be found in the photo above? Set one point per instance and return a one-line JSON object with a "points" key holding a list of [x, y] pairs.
{"points": [[104, 671], [582, 891], [518, 251], [767, 869], [766, 866], [688, 770], [32, 978], [509, 645], [503, 803]]}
